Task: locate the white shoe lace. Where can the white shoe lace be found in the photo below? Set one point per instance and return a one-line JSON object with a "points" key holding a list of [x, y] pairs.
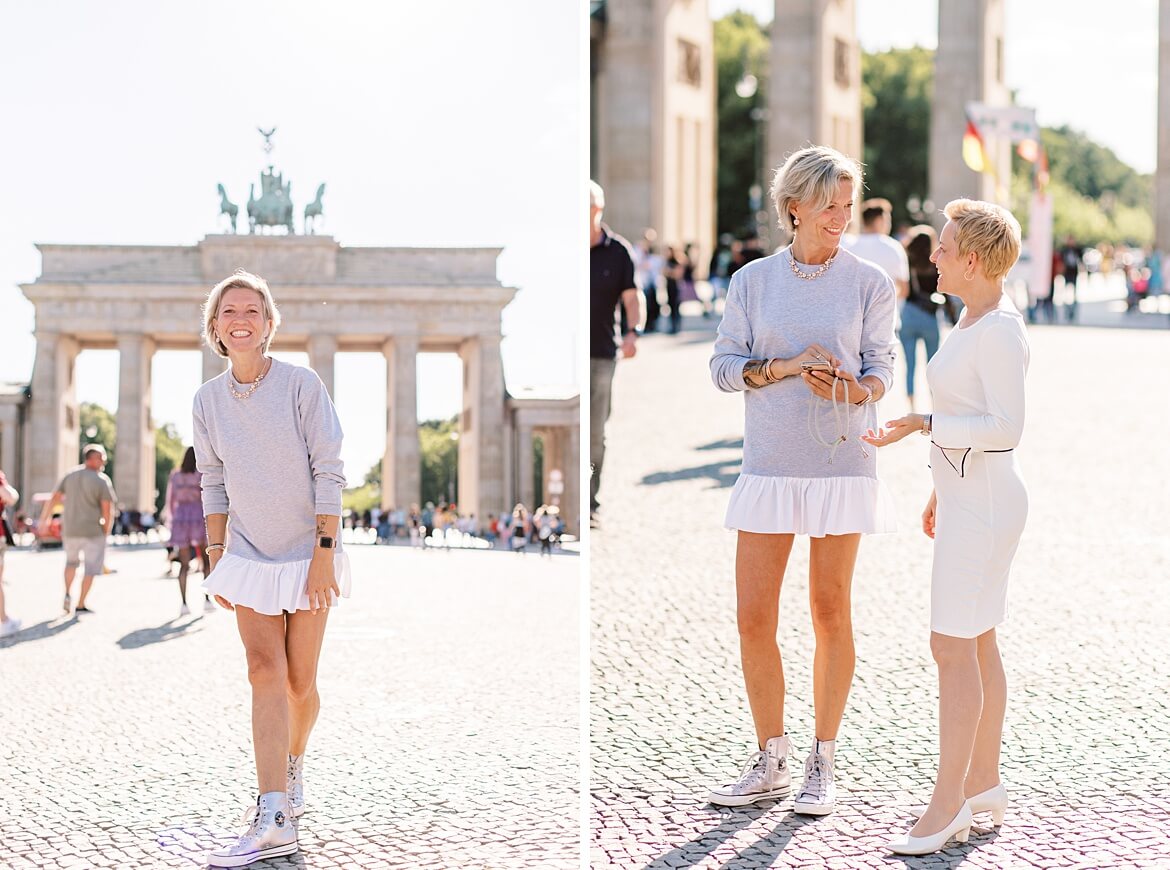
{"points": [[816, 778], [754, 771]]}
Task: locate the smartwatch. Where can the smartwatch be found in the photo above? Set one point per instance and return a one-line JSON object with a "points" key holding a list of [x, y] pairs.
{"points": [[326, 543]]}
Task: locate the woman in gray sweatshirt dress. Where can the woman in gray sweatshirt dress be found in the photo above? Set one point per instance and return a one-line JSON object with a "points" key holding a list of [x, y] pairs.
{"points": [[268, 444], [805, 469]]}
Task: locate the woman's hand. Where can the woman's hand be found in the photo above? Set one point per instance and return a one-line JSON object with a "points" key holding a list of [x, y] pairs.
{"points": [[213, 557], [322, 581], [821, 384], [894, 431], [928, 516]]}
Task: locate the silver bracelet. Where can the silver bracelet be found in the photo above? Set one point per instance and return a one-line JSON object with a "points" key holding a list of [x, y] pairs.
{"points": [[211, 547]]}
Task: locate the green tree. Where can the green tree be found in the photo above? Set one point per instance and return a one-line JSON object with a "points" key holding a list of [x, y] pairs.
{"points": [[168, 455], [440, 458], [741, 46], [897, 87], [439, 461], [98, 427]]}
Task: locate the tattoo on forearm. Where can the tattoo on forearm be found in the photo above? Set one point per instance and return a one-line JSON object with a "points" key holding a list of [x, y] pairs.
{"points": [[320, 526], [757, 373]]}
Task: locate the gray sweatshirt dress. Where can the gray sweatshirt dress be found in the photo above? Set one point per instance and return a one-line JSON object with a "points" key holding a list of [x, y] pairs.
{"points": [[791, 483], [271, 462]]}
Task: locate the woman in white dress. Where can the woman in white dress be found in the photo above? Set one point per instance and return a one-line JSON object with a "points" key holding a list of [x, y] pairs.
{"points": [[975, 514], [805, 470]]}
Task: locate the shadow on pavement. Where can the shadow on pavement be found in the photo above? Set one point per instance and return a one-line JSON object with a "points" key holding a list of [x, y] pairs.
{"points": [[723, 444], [952, 856], [167, 631], [763, 852], [721, 474], [40, 631]]}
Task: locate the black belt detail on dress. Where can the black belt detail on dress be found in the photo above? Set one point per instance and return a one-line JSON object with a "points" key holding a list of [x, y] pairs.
{"points": [[962, 467]]}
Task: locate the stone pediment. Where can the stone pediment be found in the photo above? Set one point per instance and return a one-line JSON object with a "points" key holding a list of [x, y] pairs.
{"points": [[281, 260]]}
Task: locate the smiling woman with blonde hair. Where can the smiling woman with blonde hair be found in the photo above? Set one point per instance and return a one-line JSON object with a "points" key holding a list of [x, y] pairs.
{"points": [[268, 444], [975, 514], [808, 336]]}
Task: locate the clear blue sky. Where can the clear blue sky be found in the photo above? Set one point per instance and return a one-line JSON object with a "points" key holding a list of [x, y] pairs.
{"points": [[1085, 63], [449, 122]]}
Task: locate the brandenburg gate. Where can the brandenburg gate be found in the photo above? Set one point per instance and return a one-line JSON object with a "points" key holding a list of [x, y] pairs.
{"points": [[394, 301]]}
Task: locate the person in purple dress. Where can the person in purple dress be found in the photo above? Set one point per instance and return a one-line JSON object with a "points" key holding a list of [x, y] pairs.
{"points": [[185, 511]]}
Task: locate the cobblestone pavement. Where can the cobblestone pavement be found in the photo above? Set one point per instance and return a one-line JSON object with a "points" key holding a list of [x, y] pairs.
{"points": [[1086, 646], [448, 735]]}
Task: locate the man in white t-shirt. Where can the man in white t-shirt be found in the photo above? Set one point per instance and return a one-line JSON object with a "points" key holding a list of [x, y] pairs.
{"points": [[876, 245]]}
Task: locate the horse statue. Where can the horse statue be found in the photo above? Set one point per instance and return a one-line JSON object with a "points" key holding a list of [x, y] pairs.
{"points": [[313, 212], [226, 206]]}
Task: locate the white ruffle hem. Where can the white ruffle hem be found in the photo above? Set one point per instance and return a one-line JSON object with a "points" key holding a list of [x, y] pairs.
{"points": [[814, 506], [270, 588]]}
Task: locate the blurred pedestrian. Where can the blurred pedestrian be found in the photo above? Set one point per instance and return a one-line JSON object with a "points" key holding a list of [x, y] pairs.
{"points": [[520, 529], [89, 499], [8, 497], [184, 504], [611, 283], [674, 272], [1071, 257], [648, 268], [268, 445], [719, 270], [874, 243], [920, 313]]}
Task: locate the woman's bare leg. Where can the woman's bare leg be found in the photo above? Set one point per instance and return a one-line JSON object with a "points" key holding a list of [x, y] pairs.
{"points": [[960, 702], [303, 639], [760, 561], [264, 642], [831, 562], [184, 567], [983, 772]]}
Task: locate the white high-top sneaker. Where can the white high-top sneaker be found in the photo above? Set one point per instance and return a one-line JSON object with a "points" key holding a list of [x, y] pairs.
{"points": [[296, 784], [818, 795], [271, 833], [764, 777]]}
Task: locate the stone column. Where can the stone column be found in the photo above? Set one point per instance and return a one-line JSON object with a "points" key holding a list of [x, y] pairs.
{"points": [[525, 491], [968, 66], [401, 470], [1162, 174], [814, 92], [213, 364], [571, 501], [54, 425], [321, 351], [134, 468], [481, 442]]}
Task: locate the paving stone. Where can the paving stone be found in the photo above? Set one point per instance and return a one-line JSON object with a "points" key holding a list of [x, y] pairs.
{"points": [[1086, 646], [448, 733]]}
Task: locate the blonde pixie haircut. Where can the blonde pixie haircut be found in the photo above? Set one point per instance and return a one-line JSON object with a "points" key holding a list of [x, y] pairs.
{"points": [[248, 281], [811, 175], [987, 230]]}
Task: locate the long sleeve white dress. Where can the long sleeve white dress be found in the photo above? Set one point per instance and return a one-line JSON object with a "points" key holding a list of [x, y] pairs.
{"points": [[977, 383]]}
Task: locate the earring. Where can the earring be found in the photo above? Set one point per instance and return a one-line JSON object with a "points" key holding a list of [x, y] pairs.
{"points": [[969, 276]]}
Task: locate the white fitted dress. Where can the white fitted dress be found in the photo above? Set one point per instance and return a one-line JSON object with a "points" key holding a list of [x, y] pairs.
{"points": [[977, 385]]}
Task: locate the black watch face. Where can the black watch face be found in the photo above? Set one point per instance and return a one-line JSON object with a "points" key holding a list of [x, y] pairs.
{"points": [[327, 543]]}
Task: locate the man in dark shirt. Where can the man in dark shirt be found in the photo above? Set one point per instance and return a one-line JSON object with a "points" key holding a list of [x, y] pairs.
{"points": [[611, 281]]}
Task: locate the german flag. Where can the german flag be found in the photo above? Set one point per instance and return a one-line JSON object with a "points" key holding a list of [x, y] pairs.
{"points": [[974, 151]]}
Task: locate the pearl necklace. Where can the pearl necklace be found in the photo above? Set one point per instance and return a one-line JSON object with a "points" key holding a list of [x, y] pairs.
{"points": [[809, 276], [251, 389]]}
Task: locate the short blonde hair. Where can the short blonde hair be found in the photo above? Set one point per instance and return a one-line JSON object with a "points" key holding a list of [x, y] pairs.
{"points": [[987, 230], [248, 281], [811, 175]]}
